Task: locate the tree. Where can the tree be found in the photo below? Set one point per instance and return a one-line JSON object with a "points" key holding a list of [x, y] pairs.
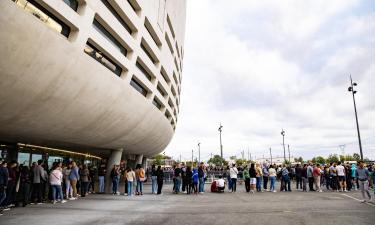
{"points": [[286, 162], [333, 158], [159, 160], [320, 160], [240, 162], [217, 160], [356, 157], [313, 160], [233, 157], [300, 159]]}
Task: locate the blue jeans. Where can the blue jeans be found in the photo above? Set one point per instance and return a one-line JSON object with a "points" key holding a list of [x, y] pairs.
{"points": [[130, 188], [229, 183], [259, 183], [201, 184], [58, 189], [101, 184], [286, 180], [3, 196], [273, 181], [177, 184], [114, 185], [139, 187], [154, 184]]}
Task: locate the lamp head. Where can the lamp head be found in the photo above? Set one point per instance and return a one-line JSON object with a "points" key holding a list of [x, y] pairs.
{"points": [[350, 88]]}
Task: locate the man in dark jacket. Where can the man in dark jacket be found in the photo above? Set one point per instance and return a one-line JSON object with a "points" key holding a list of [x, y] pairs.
{"points": [[4, 175], [298, 176], [39, 178]]}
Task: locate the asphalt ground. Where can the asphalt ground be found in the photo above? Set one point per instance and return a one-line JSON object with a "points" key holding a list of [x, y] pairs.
{"points": [[209, 208]]}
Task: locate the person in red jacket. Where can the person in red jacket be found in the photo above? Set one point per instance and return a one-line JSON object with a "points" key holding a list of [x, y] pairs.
{"points": [[316, 175]]}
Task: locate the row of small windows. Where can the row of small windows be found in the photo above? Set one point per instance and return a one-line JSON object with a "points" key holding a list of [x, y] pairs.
{"points": [[143, 70]]}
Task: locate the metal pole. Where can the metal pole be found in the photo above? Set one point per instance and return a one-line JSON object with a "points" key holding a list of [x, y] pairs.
{"points": [[356, 117], [283, 134], [192, 156], [271, 155], [221, 144], [289, 154]]}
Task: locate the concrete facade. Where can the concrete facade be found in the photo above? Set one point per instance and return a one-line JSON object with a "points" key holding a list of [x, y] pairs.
{"points": [[54, 94]]}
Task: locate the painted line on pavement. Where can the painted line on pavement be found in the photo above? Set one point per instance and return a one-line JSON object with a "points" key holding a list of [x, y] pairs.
{"points": [[359, 200]]}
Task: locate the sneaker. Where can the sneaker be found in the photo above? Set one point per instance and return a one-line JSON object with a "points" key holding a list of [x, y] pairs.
{"points": [[72, 198], [63, 201], [274, 191], [53, 202], [39, 203], [363, 201], [6, 209], [320, 191]]}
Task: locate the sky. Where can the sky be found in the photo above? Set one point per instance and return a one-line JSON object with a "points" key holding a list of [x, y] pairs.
{"points": [[258, 67]]}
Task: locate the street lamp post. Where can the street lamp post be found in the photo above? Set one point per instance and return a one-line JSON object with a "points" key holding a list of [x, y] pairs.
{"points": [[192, 157], [289, 154], [199, 152], [221, 144], [283, 134], [351, 89]]}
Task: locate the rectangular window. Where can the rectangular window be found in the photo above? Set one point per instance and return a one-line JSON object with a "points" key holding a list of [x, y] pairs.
{"points": [[175, 63], [44, 15], [101, 29], [156, 103], [99, 56], [72, 4], [164, 75], [175, 78], [170, 26], [137, 86], [169, 43], [135, 6], [152, 32], [148, 53], [143, 70], [170, 104], [161, 91], [118, 17], [167, 114], [173, 91]]}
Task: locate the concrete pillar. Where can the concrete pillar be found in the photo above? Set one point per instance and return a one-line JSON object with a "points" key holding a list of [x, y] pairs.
{"points": [[114, 159], [138, 159]]}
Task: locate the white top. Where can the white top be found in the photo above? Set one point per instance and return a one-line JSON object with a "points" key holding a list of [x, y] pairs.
{"points": [[221, 182], [272, 172], [233, 172], [340, 170]]}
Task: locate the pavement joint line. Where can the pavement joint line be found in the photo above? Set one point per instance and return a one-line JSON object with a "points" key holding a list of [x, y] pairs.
{"points": [[359, 200]]}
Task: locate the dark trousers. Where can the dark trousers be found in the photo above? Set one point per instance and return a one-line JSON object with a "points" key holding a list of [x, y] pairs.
{"points": [[84, 188], [126, 186], [265, 182], [247, 184], [160, 186], [286, 180], [234, 184], [11, 193], [25, 193], [183, 184], [328, 182], [298, 182], [37, 192], [188, 187], [311, 183]]}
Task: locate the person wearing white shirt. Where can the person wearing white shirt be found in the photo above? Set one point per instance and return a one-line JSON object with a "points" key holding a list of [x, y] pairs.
{"points": [[221, 184], [341, 175], [233, 176]]}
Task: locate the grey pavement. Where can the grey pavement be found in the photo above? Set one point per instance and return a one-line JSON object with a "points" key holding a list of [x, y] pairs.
{"points": [[210, 208]]}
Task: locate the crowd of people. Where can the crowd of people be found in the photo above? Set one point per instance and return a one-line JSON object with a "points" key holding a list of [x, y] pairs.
{"points": [[21, 185]]}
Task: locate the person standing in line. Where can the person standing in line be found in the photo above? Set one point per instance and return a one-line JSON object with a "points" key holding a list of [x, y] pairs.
{"points": [[286, 178], [38, 178], [298, 177], [253, 180], [188, 180], [348, 177], [183, 178], [154, 178], [177, 175], [246, 177], [140, 177], [115, 173], [74, 178], [101, 176], [272, 176], [304, 177], [259, 175], [316, 175], [363, 175], [195, 179], [201, 178], [227, 173], [265, 176], [55, 180], [4, 176], [354, 177], [68, 186], [233, 176], [130, 177], [310, 177], [160, 179], [85, 180], [341, 176], [12, 182], [25, 179]]}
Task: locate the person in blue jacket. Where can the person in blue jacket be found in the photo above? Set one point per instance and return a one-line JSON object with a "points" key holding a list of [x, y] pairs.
{"points": [[195, 180]]}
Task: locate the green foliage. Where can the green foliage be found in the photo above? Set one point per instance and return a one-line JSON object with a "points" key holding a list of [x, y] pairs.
{"points": [[332, 158], [217, 160], [320, 160], [240, 162], [300, 159], [286, 162]]}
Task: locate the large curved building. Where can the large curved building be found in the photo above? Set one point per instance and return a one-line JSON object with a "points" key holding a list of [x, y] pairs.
{"points": [[93, 76]]}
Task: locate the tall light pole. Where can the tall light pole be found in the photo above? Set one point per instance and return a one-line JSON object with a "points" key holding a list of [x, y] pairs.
{"points": [[221, 144], [199, 152], [351, 89], [283, 134], [289, 154], [192, 158]]}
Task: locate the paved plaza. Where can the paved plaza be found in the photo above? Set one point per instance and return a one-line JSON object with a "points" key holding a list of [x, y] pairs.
{"points": [[210, 208]]}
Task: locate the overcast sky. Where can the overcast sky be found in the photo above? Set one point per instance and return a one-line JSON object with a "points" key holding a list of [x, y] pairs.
{"points": [[260, 66]]}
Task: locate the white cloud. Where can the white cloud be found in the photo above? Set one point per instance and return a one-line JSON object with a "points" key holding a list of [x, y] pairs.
{"points": [[259, 66]]}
